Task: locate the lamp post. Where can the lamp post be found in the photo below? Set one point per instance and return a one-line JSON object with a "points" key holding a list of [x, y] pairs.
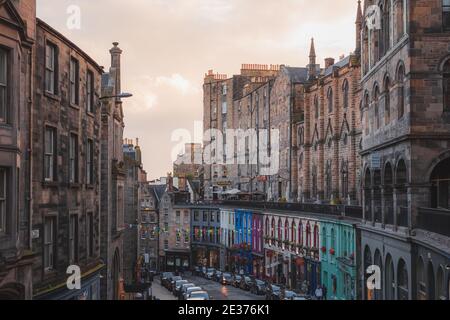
{"points": [[122, 95]]}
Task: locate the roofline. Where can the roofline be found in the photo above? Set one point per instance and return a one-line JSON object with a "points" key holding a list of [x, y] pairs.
{"points": [[60, 36]]}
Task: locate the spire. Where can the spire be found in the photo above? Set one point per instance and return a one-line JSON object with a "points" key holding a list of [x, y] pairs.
{"points": [[312, 52], [312, 61], [359, 18]]}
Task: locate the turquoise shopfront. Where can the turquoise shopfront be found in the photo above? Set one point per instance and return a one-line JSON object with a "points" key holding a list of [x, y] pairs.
{"points": [[338, 260]]}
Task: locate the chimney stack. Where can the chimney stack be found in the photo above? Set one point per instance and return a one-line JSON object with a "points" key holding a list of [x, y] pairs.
{"points": [[116, 52], [329, 62]]}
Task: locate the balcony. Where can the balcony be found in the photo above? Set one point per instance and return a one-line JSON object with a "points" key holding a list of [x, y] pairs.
{"points": [[434, 220]]}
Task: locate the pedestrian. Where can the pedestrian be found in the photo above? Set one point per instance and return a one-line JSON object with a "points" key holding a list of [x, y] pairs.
{"points": [[319, 293]]}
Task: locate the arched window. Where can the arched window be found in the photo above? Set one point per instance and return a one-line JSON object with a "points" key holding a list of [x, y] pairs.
{"points": [[446, 84], [316, 236], [440, 284], [330, 100], [378, 262], [389, 293], [328, 181], [273, 228], [286, 230], [401, 91], [366, 112], [267, 227], [324, 237], [316, 107], [333, 239], [293, 232], [446, 14], [308, 235], [300, 233], [387, 101], [367, 263], [399, 19], [345, 92], [344, 180], [280, 234], [381, 33], [376, 97]]}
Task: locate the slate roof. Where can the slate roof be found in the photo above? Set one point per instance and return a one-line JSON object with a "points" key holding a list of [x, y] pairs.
{"points": [[296, 74], [338, 65]]}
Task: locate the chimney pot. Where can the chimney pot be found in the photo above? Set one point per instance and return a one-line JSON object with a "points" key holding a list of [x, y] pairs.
{"points": [[329, 62]]}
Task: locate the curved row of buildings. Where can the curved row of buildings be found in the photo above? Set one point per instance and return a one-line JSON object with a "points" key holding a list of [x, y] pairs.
{"points": [[370, 130]]}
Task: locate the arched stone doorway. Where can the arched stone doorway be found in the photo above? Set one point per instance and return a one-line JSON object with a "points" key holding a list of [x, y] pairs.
{"points": [[421, 281], [368, 294], [402, 281], [116, 275], [12, 291], [389, 279], [388, 186], [431, 282], [440, 185]]}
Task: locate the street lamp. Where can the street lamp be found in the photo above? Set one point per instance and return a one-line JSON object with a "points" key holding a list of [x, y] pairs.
{"points": [[122, 95]]}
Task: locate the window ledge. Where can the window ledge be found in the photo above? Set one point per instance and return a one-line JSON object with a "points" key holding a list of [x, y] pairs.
{"points": [[52, 96], [74, 106]]}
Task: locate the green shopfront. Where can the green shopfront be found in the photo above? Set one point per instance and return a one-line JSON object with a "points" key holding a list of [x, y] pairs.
{"points": [[338, 260]]}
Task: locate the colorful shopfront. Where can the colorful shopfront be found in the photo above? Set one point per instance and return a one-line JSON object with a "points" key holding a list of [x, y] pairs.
{"points": [[337, 255], [241, 251]]}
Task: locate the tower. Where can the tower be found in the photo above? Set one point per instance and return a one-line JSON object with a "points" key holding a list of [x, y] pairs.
{"points": [[358, 23], [312, 61]]}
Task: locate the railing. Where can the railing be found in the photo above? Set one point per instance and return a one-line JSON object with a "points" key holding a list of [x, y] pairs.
{"points": [[333, 210], [402, 219], [434, 220]]}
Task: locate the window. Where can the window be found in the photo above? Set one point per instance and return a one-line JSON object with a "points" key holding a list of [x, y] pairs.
{"points": [[50, 154], [345, 93], [49, 242], [51, 63], [90, 162], [3, 198], [178, 214], [376, 109], [401, 92], [205, 217], [90, 234], [447, 85], [446, 14], [196, 216], [387, 101], [330, 100], [3, 86], [90, 92], [73, 158], [166, 244], [74, 81], [73, 239], [316, 107]]}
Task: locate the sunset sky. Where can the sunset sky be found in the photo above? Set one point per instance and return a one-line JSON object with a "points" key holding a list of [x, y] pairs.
{"points": [[170, 44]]}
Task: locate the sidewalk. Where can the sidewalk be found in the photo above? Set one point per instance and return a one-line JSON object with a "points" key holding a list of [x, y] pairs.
{"points": [[160, 292]]}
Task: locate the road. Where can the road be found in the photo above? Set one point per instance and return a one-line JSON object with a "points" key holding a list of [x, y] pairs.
{"points": [[215, 290], [220, 292]]}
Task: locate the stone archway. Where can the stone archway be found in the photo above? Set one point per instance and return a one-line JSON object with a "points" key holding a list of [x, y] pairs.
{"points": [[12, 291], [440, 185], [116, 275]]}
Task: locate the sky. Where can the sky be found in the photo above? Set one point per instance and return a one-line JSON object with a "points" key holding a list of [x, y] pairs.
{"points": [[169, 45]]}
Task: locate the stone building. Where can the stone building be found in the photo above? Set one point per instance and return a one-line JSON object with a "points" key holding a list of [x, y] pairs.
{"points": [[65, 165], [133, 193], [328, 133], [220, 112], [189, 164], [17, 59], [205, 237], [406, 147], [112, 175], [174, 230]]}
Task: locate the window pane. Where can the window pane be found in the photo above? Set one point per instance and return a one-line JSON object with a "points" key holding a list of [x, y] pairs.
{"points": [[3, 67]]}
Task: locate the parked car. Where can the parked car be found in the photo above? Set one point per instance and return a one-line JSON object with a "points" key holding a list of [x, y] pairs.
{"points": [[236, 281], [166, 277], [227, 279], [273, 292], [218, 276], [246, 283], [173, 280], [177, 287], [289, 295], [199, 295], [210, 273], [183, 289], [188, 292], [258, 287]]}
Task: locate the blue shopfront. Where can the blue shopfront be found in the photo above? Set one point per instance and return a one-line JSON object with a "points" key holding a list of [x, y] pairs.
{"points": [[242, 249]]}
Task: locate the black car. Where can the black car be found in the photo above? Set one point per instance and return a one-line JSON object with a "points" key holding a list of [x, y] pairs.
{"points": [[166, 277], [273, 292], [227, 279], [246, 283], [218, 276], [173, 280], [258, 287], [178, 286], [236, 282]]}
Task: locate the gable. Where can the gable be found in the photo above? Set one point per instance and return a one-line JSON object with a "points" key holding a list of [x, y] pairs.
{"points": [[9, 16]]}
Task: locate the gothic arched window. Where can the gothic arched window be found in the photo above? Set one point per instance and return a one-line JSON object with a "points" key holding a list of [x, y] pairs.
{"points": [[376, 97], [330, 100], [401, 91], [316, 107], [387, 101], [345, 93], [446, 84]]}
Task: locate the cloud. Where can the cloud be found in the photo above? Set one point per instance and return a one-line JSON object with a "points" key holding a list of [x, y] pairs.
{"points": [[177, 82]]}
